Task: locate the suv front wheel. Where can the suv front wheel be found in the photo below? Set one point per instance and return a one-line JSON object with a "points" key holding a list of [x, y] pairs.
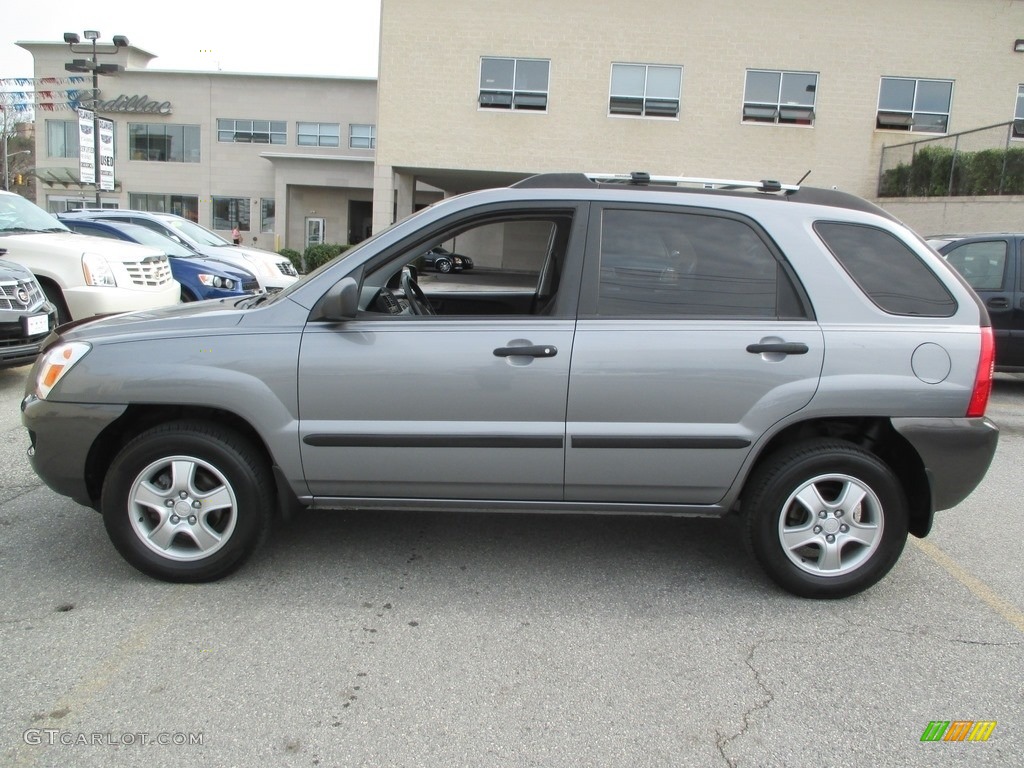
{"points": [[187, 502], [825, 519]]}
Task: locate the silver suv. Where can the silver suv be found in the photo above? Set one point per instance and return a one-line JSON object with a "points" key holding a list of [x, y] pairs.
{"points": [[624, 345]]}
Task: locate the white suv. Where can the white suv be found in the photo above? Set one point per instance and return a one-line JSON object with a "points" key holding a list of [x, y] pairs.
{"points": [[272, 270], [83, 276]]}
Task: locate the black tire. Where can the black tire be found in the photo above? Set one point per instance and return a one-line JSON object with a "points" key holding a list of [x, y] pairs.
{"points": [[805, 538], [154, 495], [443, 265], [55, 296], [186, 296]]}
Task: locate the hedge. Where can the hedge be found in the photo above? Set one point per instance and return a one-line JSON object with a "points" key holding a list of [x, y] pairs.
{"points": [[939, 172], [314, 256]]}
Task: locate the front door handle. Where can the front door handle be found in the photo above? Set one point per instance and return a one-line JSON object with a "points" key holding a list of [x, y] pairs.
{"points": [[999, 302], [781, 347], [534, 350]]}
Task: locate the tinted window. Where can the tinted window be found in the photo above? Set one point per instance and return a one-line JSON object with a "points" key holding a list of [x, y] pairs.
{"points": [[891, 274], [690, 264], [983, 264]]}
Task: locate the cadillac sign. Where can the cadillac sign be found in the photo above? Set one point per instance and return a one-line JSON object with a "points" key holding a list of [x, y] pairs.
{"points": [[135, 104]]}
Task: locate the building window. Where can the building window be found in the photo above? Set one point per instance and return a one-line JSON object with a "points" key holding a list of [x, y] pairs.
{"points": [[1018, 114], [62, 138], [186, 206], [319, 134], [229, 211], [252, 131], [164, 143], [645, 90], [267, 212], [514, 83], [907, 104], [362, 136], [785, 98]]}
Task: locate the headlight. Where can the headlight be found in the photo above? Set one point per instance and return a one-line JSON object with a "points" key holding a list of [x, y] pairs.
{"points": [[217, 281], [55, 364], [97, 271]]}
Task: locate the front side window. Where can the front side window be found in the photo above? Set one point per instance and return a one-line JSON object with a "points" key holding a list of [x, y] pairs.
{"points": [[229, 212], [645, 90], [668, 264], [888, 272], [515, 266], [319, 134], [362, 136], [982, 264], [62, 138], [909, 104], [252, 131], [514, 84], [164, 143], [785, 98], [186, 206]]}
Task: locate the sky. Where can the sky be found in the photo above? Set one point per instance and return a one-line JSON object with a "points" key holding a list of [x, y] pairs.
{"points": [[307, 39]]}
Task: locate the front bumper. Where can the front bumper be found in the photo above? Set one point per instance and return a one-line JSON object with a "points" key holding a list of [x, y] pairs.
{"points": [[88, 300], [62, 436]]}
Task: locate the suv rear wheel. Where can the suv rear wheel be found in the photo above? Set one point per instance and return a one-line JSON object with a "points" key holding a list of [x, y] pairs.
{"points": [[187, 502], [825, 518]]}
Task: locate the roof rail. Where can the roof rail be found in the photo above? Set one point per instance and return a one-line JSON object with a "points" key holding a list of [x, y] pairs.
{"points": [[641, 178]]}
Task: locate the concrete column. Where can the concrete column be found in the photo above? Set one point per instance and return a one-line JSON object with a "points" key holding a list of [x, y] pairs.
{"points": [[406, 184], [383, 197]]}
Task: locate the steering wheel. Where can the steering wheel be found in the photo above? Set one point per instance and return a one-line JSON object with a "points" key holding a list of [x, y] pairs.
{"points": [[418, 302]]}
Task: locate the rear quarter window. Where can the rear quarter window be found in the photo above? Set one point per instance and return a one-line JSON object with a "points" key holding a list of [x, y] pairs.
{"points": [[886, 270]]}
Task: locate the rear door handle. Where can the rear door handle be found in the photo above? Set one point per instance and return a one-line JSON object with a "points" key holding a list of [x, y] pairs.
{"points": [[781, 347], [535, 350]]}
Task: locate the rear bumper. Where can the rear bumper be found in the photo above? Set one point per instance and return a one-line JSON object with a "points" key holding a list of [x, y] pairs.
{"points": [[956, 454]]}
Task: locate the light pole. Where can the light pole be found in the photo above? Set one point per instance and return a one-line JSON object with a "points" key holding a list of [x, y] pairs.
{"points": [[7, 184], [97, 69]]}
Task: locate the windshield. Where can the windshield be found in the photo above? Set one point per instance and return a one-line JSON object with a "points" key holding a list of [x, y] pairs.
{"points": [[20, 215], [147, 236], [192, 231]]}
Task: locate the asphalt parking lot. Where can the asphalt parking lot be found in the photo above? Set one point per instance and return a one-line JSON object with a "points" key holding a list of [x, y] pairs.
{"points": [[370, 639]]}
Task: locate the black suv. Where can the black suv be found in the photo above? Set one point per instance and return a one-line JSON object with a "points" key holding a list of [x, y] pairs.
{"points": [[993, 265]]}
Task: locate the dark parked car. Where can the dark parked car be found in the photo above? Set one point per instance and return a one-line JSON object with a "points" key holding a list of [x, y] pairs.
{"points": [[993, 265], [26, 317], [201, 277], [445, 261]]}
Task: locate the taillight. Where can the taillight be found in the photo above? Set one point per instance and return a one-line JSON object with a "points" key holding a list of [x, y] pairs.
{"points": [[983, 379]]}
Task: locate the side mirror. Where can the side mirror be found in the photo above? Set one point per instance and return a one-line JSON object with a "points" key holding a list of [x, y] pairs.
{"points": [[341, 302]]}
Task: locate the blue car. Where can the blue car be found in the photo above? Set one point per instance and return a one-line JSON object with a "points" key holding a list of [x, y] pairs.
{"points": [[201, 277]]}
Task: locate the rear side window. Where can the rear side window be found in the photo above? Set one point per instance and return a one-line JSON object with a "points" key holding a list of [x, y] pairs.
{"points": [[660, 263], [887, 271], [982, 264]]}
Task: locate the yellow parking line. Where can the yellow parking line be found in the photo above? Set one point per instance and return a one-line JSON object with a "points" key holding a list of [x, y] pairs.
{"points": [[977, 587]]}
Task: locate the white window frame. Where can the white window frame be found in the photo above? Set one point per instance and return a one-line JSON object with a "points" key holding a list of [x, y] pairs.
{"points": [[890, 119], [645, 102], [229, 129], [310, 134], [777, 111], [514, 99], [364, 133], [1017, 129]]}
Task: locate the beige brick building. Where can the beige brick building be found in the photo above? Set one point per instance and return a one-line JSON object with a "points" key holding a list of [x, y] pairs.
{"points": [[474, 93]]}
